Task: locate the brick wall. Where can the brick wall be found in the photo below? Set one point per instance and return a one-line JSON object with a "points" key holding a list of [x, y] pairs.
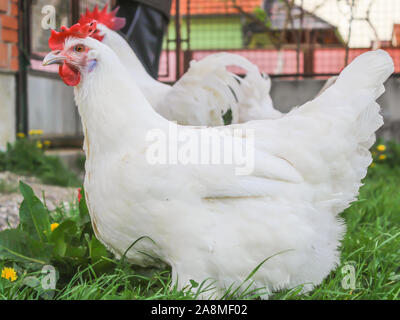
{"points": [[9, 35]]}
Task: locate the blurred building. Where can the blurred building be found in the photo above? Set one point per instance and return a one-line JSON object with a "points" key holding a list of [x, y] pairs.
{"points": [[396, 35], [302, 26], [311, 44], [31, 96], [9, 65]]}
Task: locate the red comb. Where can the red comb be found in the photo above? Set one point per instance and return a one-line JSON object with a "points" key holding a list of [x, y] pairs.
{"points": [[109, 19], [57, 39]]}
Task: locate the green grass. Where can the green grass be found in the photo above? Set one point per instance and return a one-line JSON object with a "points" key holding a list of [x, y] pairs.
{"points": [[371, 243], [6, 187], [371, 246], [24, 157]]}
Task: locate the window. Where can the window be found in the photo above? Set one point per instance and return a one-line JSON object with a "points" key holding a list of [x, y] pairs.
{"points": [[65, 14], [40, 37], [64, 17]]}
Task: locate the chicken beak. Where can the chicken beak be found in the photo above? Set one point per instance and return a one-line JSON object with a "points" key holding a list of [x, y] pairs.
{"points": [[53, 57]]}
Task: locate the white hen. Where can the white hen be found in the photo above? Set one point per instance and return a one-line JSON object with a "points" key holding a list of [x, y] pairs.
{"points": [[204, 93], [206, 221]]}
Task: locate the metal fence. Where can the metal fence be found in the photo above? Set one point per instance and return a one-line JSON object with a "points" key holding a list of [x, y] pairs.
{"points": [[288, 38]]}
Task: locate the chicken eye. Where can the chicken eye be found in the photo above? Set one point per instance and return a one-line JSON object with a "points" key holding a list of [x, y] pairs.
{"points": [[79, 48]]}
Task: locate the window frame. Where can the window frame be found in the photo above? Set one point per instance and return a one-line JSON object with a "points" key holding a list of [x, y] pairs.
{"points": [[74, 17]]}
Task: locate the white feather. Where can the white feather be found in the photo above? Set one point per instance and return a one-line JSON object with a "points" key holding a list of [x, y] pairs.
{"points": [[209, 223], [205, 92]]}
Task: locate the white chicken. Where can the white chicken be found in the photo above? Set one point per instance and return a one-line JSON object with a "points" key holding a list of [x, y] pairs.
{"points": [[204, 93], [207, 221]]}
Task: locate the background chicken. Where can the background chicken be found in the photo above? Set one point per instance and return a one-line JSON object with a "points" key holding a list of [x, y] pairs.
{"points": [[204, 93], [204, 220]]}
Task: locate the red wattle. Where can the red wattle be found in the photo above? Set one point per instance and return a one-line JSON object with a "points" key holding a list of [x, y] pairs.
{"points": [[69, 75]]}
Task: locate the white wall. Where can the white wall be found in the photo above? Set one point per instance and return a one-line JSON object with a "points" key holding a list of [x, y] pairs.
{"points": [[51, 106], [7, 109], [384, 13], [287, 94]]}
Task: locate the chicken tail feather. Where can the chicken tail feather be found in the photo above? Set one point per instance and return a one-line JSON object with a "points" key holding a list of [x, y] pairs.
{"points": [[368, 71]]}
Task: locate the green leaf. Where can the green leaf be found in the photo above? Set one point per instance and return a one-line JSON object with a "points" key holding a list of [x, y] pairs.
{"points": [[83, 209], [34, 217], [260, 14], [36, 284], [17, 245], [227, 117], [76, 252], [58, 237], [97, 250], [32, 282]]}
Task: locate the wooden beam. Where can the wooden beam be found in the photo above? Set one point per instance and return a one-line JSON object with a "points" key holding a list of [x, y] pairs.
{"points": [[74, 7]]}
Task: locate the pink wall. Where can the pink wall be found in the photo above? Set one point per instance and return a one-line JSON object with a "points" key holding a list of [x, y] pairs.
{"points": [[329, 60]]}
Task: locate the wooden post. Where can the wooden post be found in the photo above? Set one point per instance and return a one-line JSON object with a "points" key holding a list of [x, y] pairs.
{"points": [[74, 11], [308, 61], [178, 44], [188, 55], [24, 50]]}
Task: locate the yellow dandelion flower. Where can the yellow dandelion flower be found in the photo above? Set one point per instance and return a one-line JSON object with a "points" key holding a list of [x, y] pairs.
{"points": [[35, 132], [21, 135], [47, 143], [382, 157], [373, 164], [54, 226], [9, 274], [39, 145], [381, 148]]}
